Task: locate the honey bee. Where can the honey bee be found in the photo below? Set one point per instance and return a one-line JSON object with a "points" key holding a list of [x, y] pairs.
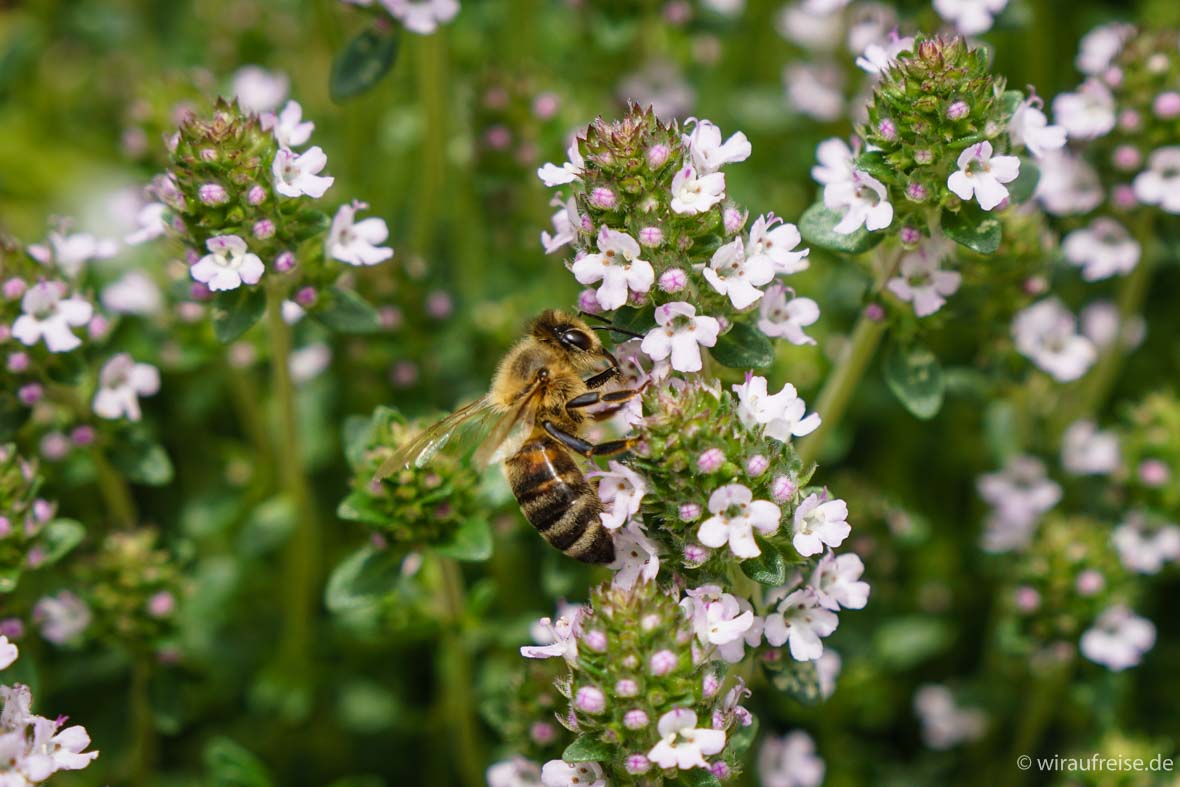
{"points": [[535, 412]]}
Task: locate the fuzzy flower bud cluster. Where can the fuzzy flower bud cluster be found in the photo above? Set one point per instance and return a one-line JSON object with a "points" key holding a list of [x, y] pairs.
{"points": [[1150, 442], [414, 505], [134, 589], [647, 213], [26, 537]]}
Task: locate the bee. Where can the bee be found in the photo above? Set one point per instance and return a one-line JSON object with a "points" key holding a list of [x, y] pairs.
{"points": [[535, 413]]}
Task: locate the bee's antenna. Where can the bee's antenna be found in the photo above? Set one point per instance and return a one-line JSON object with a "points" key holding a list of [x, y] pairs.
{"points": [[615, 329], [592, 316]]}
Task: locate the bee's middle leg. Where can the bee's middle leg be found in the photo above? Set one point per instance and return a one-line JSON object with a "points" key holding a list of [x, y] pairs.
{"points": [[585, 447], [591, 398]]}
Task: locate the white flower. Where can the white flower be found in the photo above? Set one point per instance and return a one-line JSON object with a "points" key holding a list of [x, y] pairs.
{"points": [[62, 618], [1019, 495], [422, 16], [790, 761], [837, 582], [827, 668], [1145, 549], [775, 245], [150, 220], [70, 252], [552, 175], [1087, 451], [709, 153], [309, 362], [516, 772], [818, 523], [944, 724], [1030, 127], [835, 162], [288, 126], [295, 173], [562, 637], [8, 652], [120, 384], [357, 242], [53, 750], [696, 194], [682, 745], [1100, 46], [783, 315], [922, 282], [227, 265], [1118, 639], [1159, 184], [798, 23], [982, 176], [877, 58], [636, 556], [723, 620], [48, 316], [1102, 250], [1068, 185], [1088, 113], [731, 273], [865, 201], [970, 17], [781, 414], [621, 491], [735, 517], [133, 293], [815, 89], [680, 333], [259, 90], [565, 220], [1046, 333], [800, 621], [617, 265]]}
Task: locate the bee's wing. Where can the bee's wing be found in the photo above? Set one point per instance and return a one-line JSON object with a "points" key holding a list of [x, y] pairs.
{"points": [[427, 443], [519, 416]]}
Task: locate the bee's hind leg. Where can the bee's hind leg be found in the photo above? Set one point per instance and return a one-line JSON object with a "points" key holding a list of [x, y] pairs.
{"points": [[585, 447]]}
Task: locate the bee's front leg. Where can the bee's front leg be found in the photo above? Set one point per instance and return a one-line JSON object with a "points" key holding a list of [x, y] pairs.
{"points": [[585, 447]]}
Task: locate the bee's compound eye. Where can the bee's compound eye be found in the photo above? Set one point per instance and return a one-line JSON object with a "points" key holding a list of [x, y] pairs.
{"points": [[576, 339]]}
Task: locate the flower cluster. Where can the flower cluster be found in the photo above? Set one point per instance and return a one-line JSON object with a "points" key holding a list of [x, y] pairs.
{"points": [[33, 748], [651, 224], [31, 535], [1151, 453], [414, 505]]}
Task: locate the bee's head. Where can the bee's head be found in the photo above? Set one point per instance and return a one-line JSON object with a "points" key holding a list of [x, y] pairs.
{"points": [[572, 338]]}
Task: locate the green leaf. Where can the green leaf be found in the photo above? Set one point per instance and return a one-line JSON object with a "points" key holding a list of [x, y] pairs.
{"points": [[269, 526], [235, 312], [1010, 100], [817, 226], [769, 568], [347, 312], [743, 347], [587, 748], [142, 461], [637, 320], [915, 377], [903, 643], [741, 739], [60, 537], [9, 578], [875, 164], [1021, 189], [471, 541], [973, 228], [362, 63], [698, 777], [232, 765], [362, 579], [360, 507]]}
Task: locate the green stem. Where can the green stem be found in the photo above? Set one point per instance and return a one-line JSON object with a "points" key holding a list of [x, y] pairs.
{"points": [[431, 61], [303, 549], [143, 728], [116, 493], [1039, 707], [456, 679]]}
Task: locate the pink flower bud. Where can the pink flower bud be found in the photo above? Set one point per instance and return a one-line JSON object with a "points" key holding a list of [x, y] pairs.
{"points": [[208, 155], [1127, 157], [18, 362], [590, 699], [651, 236], [30, 394], [161, 604], [82, 435], [439, 305], [626, 688], [98, 326], [588, 302], [710, 684], [1090, 582], [1154, 473], [55, 446], [657, 155], [711, 460], [595, 640], [733, 220], [916, 192], [673, 280], [720, 769], [256, 195], [14, 288], [285, 262], [306, 296], [404, 374], [689, 512], [662, 662], [1129, 120], [1113, 76], [13, 628], [887, 129], [695, 555], [635, 719], [650, 622], [958, 110], [637, 763], [1027, 599], [263, 229], [42, 510], [603, 198], [199, 292], [910, 236], [923, 157], [782, 489], [542, 733], [212, 194], [546, 105], [1166, 105], [390, 317], [1123, 196], [5, 333], [756, 465], [5, 527]]}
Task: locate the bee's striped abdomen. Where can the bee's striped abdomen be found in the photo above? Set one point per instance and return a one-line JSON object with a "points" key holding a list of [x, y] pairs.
{"points": [[556, 498]]}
